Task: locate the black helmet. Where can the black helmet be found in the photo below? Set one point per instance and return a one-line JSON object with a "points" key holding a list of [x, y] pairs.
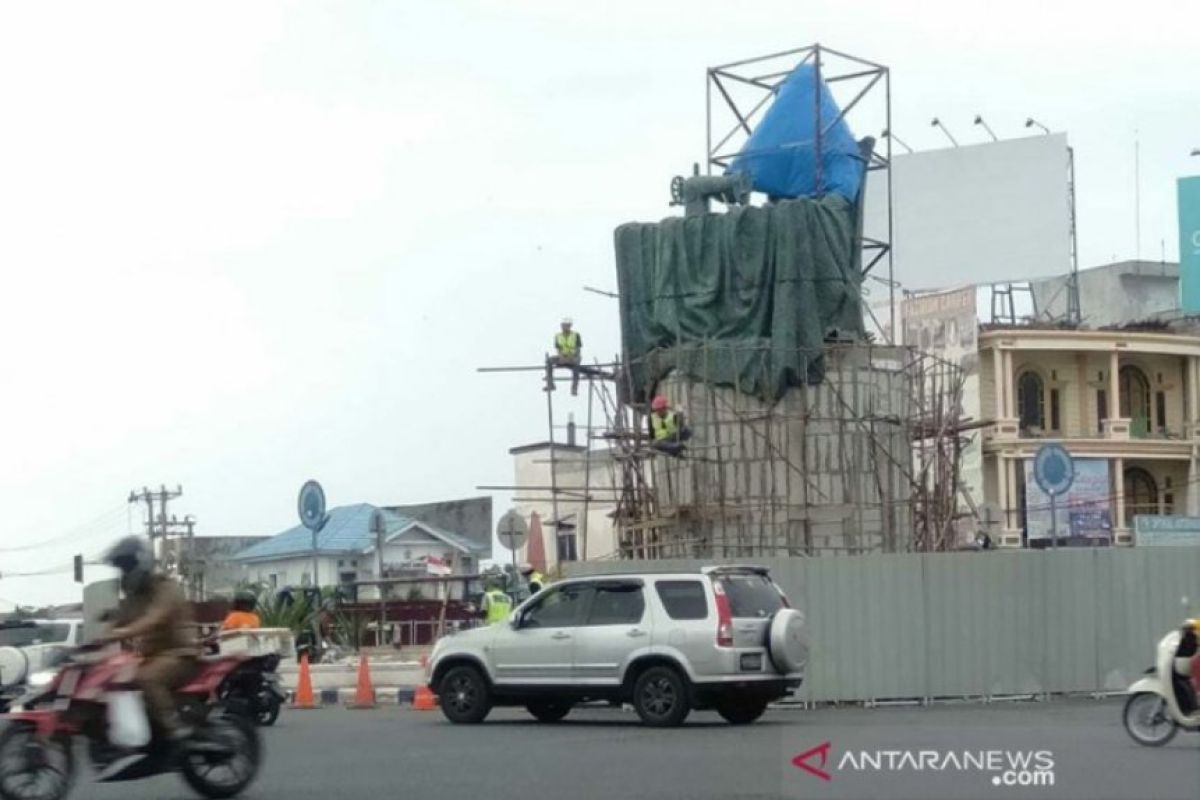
{"points": [[245, 600], [133, 557]]}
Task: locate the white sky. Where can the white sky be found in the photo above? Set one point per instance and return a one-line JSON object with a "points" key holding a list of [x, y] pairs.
{"points": [[243, 245]]}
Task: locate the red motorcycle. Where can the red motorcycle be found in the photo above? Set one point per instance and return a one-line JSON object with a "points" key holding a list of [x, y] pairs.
{"points": [[218, 758]]}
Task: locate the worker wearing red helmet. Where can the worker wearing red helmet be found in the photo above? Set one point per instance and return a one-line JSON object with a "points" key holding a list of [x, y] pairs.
{"points": [[667, 429]]}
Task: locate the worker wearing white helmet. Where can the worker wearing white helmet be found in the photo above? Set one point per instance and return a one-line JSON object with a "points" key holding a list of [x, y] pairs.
{"points": [[568, 352]]}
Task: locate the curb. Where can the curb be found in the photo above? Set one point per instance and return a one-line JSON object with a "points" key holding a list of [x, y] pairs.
{"points": [[384, 696]]}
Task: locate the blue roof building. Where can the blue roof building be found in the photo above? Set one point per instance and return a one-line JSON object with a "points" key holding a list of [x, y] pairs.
{"points": [[346, 550]]}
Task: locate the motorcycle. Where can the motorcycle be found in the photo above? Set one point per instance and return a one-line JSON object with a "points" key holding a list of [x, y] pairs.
{"points": [[219, 757], [254, 689], [1164, 701]]}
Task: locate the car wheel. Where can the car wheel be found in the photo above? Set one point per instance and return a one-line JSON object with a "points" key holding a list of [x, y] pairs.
{"points": [[548, 711], [464, 695], [741, 712], [660, 697]]}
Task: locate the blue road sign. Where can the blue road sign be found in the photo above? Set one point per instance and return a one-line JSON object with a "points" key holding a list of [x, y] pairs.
{"points": [[311, 505], [1053, 469]]}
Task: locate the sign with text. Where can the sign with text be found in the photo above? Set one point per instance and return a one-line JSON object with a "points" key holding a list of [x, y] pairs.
{"points": [[1152, 530], [1083, 512]]}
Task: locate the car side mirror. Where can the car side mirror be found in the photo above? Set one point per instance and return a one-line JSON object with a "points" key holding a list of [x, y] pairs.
{"points": [[514, 620]]}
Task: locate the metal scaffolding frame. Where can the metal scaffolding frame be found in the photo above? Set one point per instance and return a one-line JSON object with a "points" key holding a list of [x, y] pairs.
{"points": [[864, 461], [729, 121]]}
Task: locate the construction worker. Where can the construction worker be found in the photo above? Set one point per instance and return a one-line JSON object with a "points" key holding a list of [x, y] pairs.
{"points": [[568, 352], [496, 604], [667, 429], [534, 580], [156, 615], [243, 614]]}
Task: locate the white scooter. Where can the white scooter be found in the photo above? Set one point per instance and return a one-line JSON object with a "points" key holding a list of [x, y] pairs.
{"points": [[1163, 702]]}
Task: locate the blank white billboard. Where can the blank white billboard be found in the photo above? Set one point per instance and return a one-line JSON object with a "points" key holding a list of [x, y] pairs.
{"points": [[975, 214]]}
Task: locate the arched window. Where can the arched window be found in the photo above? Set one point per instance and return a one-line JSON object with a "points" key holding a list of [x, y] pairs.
{"points": [[1031, 401], [1135, 399], [1141, 494]]}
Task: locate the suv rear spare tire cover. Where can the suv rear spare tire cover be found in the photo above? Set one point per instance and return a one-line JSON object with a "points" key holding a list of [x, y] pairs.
{"points": [[786, 640], [13, 666]]}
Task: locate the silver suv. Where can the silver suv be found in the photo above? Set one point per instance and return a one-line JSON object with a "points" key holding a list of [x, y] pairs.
{"points": [[722, 638]]}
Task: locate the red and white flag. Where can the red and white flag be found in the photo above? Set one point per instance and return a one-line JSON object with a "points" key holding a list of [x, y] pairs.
{"points": [[436, 566]]}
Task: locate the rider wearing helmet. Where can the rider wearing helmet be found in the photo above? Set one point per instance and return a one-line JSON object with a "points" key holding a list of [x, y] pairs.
{"points": [[243, 614], [156, 615]]}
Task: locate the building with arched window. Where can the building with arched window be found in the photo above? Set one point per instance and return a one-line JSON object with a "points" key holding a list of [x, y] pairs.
{"points": [[1124, 403]]}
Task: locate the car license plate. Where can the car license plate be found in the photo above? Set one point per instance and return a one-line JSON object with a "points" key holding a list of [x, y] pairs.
{"points": [[752, 662]]}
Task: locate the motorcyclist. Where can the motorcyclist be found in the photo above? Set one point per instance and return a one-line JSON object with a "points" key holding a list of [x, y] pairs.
{"points": [[243, 614], [156, 615]]}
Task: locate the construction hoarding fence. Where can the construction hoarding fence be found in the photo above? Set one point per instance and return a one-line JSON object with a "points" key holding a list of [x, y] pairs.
{"points": [[864, 460], [927, 626]]}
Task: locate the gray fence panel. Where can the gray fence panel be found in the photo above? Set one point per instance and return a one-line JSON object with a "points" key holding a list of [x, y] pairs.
{"points": [[1071, 618], [960, 628], [1124, 632], [971, 624]]}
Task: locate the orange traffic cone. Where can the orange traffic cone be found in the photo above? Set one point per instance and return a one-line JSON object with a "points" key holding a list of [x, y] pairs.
{"points": [[424, 699], [364, 692], [304, 691]]}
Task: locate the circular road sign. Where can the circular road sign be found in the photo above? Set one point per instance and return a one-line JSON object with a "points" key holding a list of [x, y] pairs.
{"points": [[311, 505], [512, 530], [1053, 469]]}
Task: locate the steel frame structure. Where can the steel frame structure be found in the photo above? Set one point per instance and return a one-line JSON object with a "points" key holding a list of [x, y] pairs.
{"points": [[763, 75]]}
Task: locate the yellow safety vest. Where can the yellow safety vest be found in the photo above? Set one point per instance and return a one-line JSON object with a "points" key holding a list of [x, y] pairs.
{"points": [[536, 578], [664, 427], [497, 605], [567, 344]]}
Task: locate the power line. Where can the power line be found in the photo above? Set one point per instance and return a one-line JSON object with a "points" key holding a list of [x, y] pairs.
{"points": [[106, 519]]}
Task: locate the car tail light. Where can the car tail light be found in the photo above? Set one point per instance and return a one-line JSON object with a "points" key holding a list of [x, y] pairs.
{"points": [[724, 616]]}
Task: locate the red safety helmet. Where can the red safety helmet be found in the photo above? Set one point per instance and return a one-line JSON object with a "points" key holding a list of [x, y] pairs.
{"points": [[659, 403]]}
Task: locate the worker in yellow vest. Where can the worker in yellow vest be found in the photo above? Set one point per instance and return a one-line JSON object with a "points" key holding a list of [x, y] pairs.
{"points": [[568, 352], [534, 580], [668, 431], [496, 604]]}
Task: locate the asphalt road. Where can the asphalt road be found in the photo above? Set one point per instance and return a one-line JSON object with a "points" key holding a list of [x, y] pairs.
{"points": [[387, 753]]}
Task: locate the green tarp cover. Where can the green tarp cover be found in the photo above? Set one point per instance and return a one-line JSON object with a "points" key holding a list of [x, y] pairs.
{"points": [[742, 299]]}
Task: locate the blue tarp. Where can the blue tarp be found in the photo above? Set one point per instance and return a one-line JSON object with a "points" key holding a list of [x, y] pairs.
{"points": [[780, 154]]}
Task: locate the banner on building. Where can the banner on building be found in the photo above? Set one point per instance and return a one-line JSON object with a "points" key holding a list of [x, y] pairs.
{"points": [[1084, 513], [945, 324], [1189, 244], [1152, 530]]}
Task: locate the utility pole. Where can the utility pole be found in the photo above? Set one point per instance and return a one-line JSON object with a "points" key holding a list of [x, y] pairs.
{"points": [[161, 529]]}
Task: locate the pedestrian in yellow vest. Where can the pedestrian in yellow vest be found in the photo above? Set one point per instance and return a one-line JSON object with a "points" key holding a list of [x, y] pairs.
{"points": [[496, 604], [568, 352], [668, 431]]}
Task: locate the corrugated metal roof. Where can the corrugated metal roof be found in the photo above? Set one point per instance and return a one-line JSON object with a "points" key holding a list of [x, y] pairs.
{"points": [[347, 531]]}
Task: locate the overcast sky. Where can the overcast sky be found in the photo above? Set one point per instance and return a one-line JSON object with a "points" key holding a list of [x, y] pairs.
{"points": [[244, 244]]}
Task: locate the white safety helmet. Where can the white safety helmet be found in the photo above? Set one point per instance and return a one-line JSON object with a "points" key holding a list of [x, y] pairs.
{"points": [[526, 568], [567, 321]]}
